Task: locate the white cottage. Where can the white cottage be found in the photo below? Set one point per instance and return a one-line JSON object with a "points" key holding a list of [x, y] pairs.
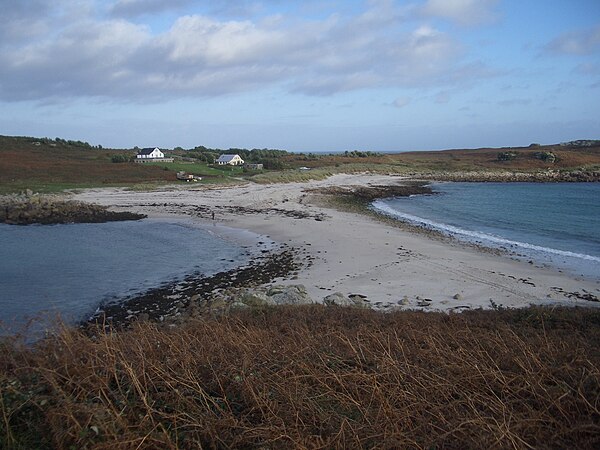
{"points": [[151, 154], [231, 160]]}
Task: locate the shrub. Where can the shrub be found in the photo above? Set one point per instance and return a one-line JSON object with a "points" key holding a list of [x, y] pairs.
{"points": [[506, 156], [546, 156], [120, 158]]}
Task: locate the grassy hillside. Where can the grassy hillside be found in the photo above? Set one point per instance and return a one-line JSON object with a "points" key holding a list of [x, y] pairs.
{"points": [[53, 165], [46, 165], [567, 157]]}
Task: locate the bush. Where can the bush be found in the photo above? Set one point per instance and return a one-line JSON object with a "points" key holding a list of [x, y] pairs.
{"points": [[506, 156], [546, 156], [120, 158]]}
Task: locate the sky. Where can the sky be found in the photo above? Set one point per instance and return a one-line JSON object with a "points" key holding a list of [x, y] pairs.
{"points": [[310, 76]]}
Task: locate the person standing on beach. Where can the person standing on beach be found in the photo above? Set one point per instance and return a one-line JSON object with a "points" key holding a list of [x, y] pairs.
{"points": [[213, 215]]}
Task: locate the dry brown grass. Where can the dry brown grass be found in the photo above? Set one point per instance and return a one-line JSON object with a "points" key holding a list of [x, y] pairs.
{"points": [[569, 157], [312, 377]]}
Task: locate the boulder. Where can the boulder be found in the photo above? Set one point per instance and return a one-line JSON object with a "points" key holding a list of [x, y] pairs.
{"points": [[353, 301], [338, 299], [255, 298], [294, 294], [239, 305], [405, 301]]}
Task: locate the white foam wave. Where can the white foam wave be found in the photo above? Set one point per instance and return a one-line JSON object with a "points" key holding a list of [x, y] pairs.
{"points": [[472, 235]]}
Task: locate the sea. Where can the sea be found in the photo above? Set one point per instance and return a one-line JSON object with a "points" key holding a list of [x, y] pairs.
{"points": [[551, 224], [73, 269]]}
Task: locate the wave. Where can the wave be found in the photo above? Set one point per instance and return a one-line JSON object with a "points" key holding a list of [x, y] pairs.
{"points": [[472, 235]]}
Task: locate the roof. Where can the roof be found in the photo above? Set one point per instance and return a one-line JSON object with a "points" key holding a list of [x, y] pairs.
{"points": [[147, 151], [227, 158]]}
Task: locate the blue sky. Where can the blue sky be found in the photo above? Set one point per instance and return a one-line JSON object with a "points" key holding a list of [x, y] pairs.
{"points": [[308, 75]]}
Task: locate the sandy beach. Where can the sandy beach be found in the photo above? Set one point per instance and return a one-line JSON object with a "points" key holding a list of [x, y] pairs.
{"points": [[357, 254]]}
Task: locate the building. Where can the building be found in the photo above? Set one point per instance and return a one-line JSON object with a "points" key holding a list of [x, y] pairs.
{"points": [[253, 166], [151, 155], [230, 160]]}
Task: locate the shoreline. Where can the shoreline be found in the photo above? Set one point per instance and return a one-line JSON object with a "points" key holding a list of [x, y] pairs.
{"points": [[356, 254]]}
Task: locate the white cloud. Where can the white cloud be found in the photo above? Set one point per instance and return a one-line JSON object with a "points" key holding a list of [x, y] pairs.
{"points": [[197, 39], [464, 12], [582, 42], [204, 56]]}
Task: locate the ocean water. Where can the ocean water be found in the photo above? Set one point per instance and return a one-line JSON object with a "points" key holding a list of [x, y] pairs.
{"points": [[555, 224], [72, 269]]}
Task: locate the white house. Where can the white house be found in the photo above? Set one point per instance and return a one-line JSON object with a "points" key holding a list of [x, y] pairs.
{"points": [[231, 160], [151, 154]]}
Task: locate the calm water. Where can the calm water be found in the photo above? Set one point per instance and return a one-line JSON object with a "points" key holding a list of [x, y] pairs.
{"points": [[552, 223], [72, 269]]}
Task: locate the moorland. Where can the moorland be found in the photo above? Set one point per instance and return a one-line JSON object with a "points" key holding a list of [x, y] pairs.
{"points": [[53, 165]]}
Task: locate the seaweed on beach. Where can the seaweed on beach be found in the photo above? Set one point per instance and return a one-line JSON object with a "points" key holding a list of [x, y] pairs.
{"points": [[311, 377]]}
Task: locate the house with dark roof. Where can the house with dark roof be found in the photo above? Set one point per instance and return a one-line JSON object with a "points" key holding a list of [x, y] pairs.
{"points": [[150, 154], [230, 160]]}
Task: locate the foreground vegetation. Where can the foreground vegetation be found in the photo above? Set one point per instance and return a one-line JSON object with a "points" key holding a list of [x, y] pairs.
{"points": [[315, 377]]}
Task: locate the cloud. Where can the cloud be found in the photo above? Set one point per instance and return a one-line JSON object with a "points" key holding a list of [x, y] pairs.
{"points": [[134, 8], [203, 56], [88, 59], [584, 42], [22, 19], [463, 12]]}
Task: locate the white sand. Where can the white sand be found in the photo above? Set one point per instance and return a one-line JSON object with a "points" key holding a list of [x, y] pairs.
{"points": [[357, 254]]}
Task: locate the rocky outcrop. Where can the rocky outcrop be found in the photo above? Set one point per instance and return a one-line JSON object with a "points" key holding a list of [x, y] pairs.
{"points": [[240, 298], [370, 193], [339, 299], [550, 175], [289, 295], [30, 208], [277, 295], [198, 295]]}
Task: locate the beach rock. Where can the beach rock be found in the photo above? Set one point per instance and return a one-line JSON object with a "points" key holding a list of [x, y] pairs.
{"points": [[28, 208], [339, 299], [239, 305], [294, 294], [404, 301], [255, 298], [457, 297]]}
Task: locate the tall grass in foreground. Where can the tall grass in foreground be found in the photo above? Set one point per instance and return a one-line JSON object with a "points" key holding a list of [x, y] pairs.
{"points": [[313, 377]]}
